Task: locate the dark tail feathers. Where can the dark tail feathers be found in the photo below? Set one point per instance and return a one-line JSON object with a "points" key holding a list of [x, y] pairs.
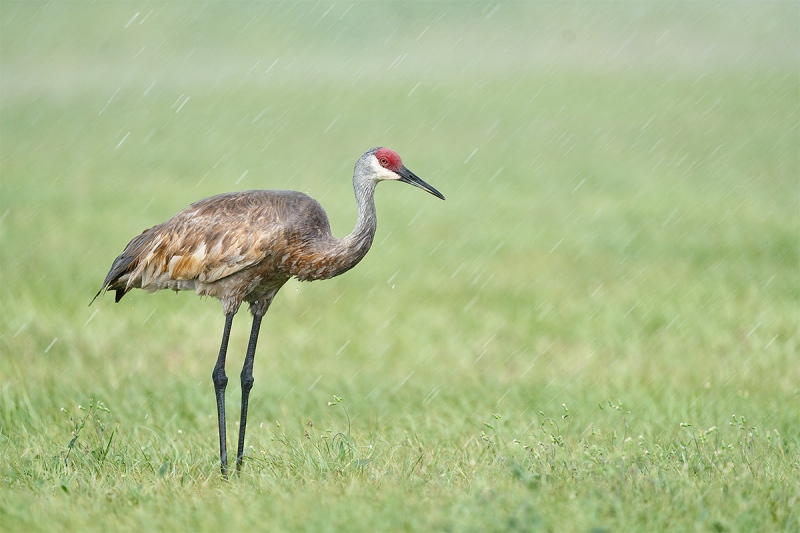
{"points": [[123, 264]]}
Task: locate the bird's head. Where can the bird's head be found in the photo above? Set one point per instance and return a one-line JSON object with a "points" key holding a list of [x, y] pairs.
{"points": [[381, 164]]}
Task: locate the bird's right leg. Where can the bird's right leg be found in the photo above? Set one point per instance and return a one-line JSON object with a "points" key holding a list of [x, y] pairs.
{"points": [[220, 382]]}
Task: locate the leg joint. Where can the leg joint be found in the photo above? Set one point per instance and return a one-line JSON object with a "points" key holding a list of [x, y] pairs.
{"points": [[247, 382], [219, 377]]}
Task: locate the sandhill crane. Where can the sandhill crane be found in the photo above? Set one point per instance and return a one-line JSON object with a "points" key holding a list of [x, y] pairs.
{"points": [[243, 246]]}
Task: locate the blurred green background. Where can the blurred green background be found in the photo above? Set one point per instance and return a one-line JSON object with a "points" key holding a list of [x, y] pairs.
{"points": [[621, 228]]}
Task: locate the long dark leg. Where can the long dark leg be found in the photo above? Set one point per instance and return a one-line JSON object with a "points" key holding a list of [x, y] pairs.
{"points": [[247, 384], [220, 382]]}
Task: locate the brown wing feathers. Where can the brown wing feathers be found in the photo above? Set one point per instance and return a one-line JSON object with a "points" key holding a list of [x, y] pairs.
{"points": [[207, 241]]}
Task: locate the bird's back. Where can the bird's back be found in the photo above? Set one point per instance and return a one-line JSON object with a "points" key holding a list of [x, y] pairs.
{"points": [[223, 246]]}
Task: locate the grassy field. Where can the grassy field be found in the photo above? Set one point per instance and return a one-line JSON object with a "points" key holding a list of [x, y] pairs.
{"points": [[597, 331]]}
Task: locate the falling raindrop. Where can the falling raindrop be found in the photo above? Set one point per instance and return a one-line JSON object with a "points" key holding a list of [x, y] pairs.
{"points": [[50, 345]]}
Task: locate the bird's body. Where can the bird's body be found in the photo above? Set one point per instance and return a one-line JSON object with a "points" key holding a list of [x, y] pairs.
{"points": [[236, 247], [244, 246]]}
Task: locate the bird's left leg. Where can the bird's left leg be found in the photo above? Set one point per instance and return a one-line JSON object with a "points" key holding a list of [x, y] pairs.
{"points": [[247, 382], [220, 382]]}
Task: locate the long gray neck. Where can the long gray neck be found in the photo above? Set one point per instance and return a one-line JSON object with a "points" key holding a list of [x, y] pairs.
{"points": [[367, 221], [352, 248]]}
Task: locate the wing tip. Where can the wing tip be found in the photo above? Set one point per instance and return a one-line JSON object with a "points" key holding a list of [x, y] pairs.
{"points": [[96, 295], [118, 293]]}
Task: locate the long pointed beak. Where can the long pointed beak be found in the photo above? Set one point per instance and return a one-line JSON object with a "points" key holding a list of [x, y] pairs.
{"points": [[406, 176]]}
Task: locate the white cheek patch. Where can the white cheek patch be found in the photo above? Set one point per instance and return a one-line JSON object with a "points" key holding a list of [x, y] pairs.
{"points": [[382, 173]]}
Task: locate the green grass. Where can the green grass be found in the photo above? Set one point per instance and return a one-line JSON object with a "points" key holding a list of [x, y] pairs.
{"points": [[597, 331]]}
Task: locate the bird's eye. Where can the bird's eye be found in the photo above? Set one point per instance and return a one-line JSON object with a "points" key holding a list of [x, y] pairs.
{"points": [[383, 161]]}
